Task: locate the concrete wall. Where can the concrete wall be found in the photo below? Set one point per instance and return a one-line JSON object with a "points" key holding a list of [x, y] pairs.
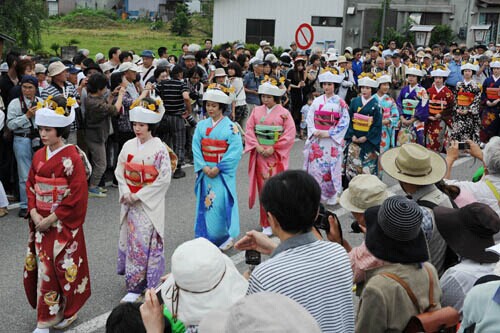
{"points": [[230, 18]]}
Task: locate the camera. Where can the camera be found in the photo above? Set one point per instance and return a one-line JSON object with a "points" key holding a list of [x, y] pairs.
{"points": [[252, 257], [463, 146], [321, 221], [191, 121]]}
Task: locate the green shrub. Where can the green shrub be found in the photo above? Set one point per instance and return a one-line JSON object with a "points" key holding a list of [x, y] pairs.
{"points": [[181, 22]]}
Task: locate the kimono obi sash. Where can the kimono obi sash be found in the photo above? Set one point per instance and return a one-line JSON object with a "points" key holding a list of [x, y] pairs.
{"points": [[49, 192], [493, 93], [324, 120], [213, 150], [465, 98], [268, 135], [139, 175], [362, 122], [409, 106], [436, 106]]}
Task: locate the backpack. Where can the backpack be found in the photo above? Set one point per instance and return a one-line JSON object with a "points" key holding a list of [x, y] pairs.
{"points": [[444, 320]]}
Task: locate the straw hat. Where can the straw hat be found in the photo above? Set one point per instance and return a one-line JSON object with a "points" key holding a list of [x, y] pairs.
{"points": [[341, 59], [364, 191], [56, 68], [413, 164], [202, 279], [219, 72]]}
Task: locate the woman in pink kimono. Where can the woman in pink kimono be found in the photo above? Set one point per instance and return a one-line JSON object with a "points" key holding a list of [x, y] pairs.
{"points": [[143, 172], [327, 123], [270, 134]]}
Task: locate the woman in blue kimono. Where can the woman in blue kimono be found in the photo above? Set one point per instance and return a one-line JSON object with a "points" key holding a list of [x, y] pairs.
{"points": [[390, 113], [413, 107], [490, 98], [365, 130], [217, 149]]}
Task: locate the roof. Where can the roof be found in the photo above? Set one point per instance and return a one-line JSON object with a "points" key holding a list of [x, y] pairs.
{"points": [[424, 28], [480, 27], [491, 2], [5, 37]]}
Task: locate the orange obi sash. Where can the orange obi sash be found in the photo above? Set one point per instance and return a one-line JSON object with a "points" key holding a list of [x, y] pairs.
{"points": [[213, 150], [493, 93], [465, 98], [362, 122], [49, 192], [139, 175], [436, 106]]}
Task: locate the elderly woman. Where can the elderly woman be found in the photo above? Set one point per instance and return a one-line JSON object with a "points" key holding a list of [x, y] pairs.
{"points": [[487, 190]]}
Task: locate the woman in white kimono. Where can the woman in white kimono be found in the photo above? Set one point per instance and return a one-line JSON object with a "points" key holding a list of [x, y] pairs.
{"points": [[143, 173]]}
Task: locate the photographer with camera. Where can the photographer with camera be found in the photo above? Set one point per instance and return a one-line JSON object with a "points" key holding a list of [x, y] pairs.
{"points": [[302, 267]]}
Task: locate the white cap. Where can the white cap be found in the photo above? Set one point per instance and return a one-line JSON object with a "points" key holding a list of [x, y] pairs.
{"points": [[348, 49], [414, 71], [106, 67], [129, 66], [99, 56], [367, 82], [216, 95], [85, 52], [384, 79], [328, 76], [264, 43], [142, 114], [332, 57], [269, 89]]}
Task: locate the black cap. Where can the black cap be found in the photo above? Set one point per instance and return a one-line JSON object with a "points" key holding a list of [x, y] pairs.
{"points": [[481, 47], [457, 52], [453, 44], [396, 55]]}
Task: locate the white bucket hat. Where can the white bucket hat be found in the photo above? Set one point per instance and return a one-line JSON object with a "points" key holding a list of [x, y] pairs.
{"points": [[56, 68], [269, 89], [203, 279], [367, 82], [51, 115], [413, 71], [129, 66], [328, 76], [384, 79], [263, 312], [216, 95], [332, 57], [470, 66], [440, 72], [364, 191]]}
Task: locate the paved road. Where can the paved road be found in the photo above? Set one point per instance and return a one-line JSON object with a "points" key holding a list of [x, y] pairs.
{"points": [[101, 231]]}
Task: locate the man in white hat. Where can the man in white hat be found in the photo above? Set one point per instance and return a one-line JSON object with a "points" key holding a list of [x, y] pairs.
{"points": [[60, 85], [41, 76], [348, 82], [413, 104], [99, 58], [391, 49], [417, 169], [441, 100], [492, 101], [259, 54]]}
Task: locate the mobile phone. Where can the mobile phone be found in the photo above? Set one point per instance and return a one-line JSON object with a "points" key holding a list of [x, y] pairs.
{"points": [[463, 146], [252, 257], [158, 293]]}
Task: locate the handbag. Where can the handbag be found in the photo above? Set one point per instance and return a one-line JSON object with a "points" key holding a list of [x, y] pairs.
{"points": [[444, 320]]}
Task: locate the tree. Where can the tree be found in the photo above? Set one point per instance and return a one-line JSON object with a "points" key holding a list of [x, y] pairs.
{"points": [[181, 23], [442, 33], [22, 19]]}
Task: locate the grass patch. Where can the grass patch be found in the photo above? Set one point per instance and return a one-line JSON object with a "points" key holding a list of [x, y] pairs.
{"points": [[99, 31]]}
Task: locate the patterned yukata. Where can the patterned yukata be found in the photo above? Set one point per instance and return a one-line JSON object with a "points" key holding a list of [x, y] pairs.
{"points": [[261, 168], [323, 156], [56, 272], [490, 118], [389, 111], [466, 118], [143, 169], [366, 121], [412, 102], [437, 131], [220, 145]]}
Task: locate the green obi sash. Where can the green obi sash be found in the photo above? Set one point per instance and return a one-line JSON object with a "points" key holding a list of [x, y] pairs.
{"points": [[268, 135], [409, 106]]}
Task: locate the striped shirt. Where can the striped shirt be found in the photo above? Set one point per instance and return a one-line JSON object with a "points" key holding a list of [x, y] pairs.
{"points": [[70, 91], [316, 274], [170, 92]]}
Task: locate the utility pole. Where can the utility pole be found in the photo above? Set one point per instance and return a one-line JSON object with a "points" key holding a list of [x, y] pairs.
{"points": [[382, 24]]}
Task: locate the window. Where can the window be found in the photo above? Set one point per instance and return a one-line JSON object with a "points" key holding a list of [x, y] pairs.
{"points": [[431, 19], [490, 18], [258, 30], [326, 21]]}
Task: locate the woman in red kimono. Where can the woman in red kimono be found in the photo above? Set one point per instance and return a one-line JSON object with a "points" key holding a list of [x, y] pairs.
{"points": [[269, 137], [56, 273]]}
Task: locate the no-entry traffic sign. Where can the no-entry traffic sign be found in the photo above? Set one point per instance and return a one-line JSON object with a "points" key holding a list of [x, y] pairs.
{"points": [[304, 36]]}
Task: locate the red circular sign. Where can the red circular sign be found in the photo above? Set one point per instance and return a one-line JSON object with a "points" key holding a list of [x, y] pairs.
{"points": [[304, 36]]}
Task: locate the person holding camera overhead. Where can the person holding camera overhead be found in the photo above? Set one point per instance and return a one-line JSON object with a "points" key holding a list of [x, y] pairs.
{"points": [[314, 273], [327, 123]]}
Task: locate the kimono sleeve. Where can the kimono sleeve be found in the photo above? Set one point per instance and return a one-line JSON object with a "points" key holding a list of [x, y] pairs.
{"points": [[375, 133], [120, 172], [73, 208], [422, 110], [286, 140], [338, 133], [30, 183], [230, 160], [394, 114], [310, 119], [399, 101], [199, 161], [250, 138], [350, 129]]}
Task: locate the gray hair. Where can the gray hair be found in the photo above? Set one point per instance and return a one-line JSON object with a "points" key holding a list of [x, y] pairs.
{"points": [[492, 155]]}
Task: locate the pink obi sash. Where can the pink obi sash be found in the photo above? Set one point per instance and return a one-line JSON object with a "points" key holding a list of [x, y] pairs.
{"points": [[49, 192], [139, 175], [386, 113], [213, 150], [324, 120]]}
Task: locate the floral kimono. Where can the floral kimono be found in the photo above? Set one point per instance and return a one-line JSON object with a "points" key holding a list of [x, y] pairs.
{"points": [[490, 116], [412, 102], [366, 121], [143, 169], [437, 131], [466, 119], [220, 145], [56, 271], [323, 156], [389, 111], [266, 128]]}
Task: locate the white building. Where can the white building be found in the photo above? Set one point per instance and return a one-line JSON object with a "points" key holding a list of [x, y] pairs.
{"points": [[277, 21]]}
